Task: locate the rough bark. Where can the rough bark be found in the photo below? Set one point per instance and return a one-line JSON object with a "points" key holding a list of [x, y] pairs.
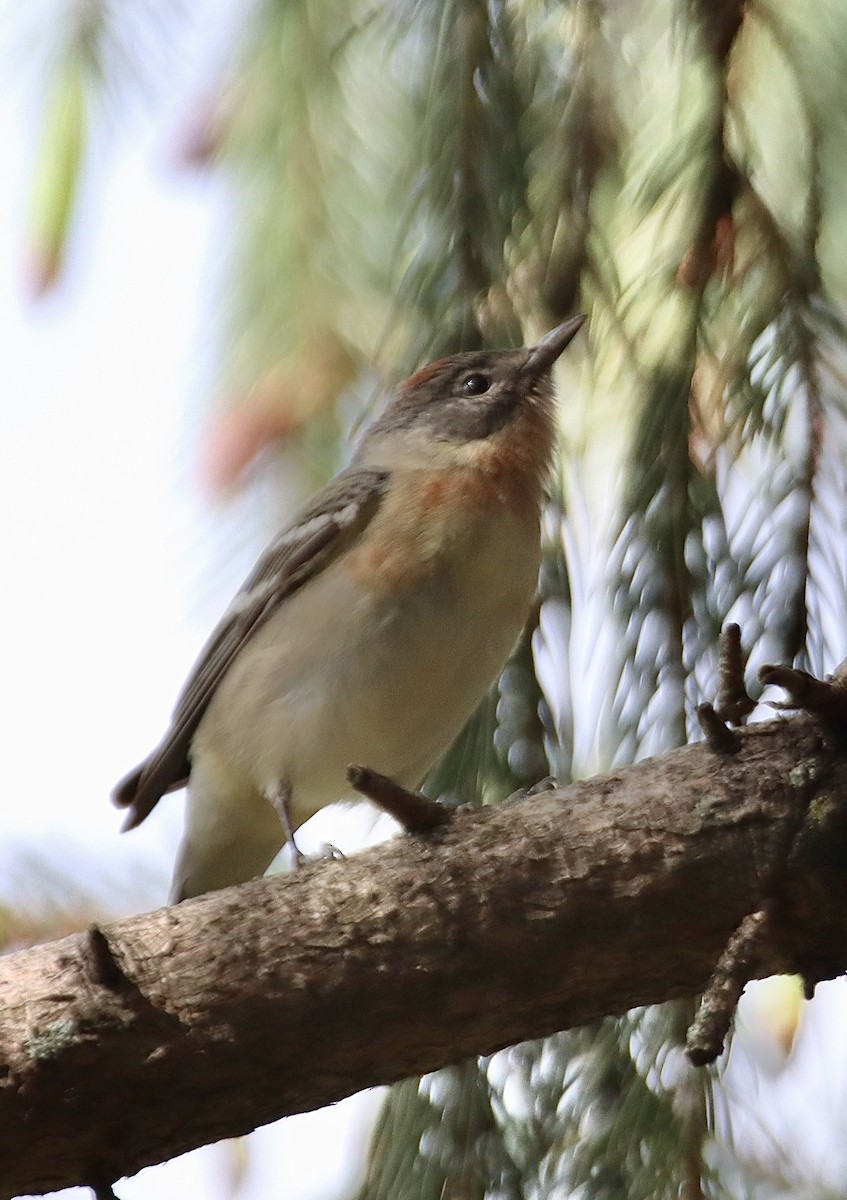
{"points": [[123, 1048]]}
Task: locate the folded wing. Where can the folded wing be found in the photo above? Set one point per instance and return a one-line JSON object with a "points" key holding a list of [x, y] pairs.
{"points": [[331, 521]]}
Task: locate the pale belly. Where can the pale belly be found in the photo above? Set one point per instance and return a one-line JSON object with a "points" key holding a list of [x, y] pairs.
{"points": [[389, 686]]}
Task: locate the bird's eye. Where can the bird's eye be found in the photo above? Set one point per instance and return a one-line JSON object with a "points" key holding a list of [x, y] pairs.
{"points": [[476, 384]]}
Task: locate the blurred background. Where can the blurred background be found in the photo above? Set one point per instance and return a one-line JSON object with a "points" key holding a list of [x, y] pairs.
{"points": [[227, 228]]}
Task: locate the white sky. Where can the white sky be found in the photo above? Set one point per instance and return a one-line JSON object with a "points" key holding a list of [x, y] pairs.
{"points": [[95, 490]]}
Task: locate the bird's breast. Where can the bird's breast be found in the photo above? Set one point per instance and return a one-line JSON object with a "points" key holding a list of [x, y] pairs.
{"points": [[381, 658], [441, 632]]}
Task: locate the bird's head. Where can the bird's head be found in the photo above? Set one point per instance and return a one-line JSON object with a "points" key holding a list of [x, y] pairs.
{"points": [[470, 399]]}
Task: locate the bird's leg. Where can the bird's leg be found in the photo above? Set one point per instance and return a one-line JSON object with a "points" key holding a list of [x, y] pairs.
{"points": [[281, 800]]}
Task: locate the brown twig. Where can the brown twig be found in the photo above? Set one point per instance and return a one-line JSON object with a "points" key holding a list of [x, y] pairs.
{"points": [[415, 812], [734, 704], [736, 966], [719, 736]]}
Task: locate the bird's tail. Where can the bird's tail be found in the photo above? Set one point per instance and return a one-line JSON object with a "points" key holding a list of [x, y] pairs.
{"points": [[141, 790]]}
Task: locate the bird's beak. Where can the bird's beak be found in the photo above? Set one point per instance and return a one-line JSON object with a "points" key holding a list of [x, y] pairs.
{"points": [[544, 353]]}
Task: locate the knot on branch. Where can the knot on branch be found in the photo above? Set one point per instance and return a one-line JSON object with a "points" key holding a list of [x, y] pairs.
{"points": [[99, 962]]}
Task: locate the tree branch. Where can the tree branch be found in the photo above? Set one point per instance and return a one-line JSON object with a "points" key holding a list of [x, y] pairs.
{"points": [[127, 1045]]}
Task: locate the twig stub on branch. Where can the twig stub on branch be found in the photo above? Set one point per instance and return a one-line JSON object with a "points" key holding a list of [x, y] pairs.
{"points": [[719, 736], [734, 704], [415, 812], [736, 966]]}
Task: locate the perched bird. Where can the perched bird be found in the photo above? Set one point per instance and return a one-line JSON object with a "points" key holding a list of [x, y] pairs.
{"points": [[373, 624]]}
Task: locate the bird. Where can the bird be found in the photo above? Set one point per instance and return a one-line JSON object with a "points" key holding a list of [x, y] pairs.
{"points": [[373, 624]]}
